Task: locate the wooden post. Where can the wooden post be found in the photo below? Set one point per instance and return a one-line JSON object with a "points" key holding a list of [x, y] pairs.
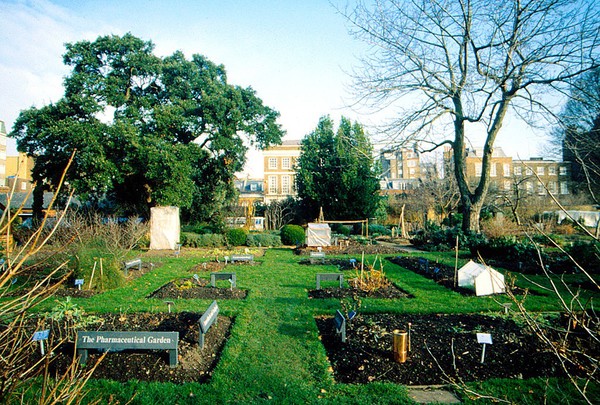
{"points": [[456, 264], [92, 277]]}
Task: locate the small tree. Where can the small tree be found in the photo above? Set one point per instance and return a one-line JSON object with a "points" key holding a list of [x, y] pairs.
{"points": [[336, 173]]}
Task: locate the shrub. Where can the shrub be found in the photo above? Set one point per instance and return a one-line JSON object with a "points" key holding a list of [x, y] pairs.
{"points": [[236, 236], [263, 239], [341, 229], [206, 240], [106, 269], [587, 255], [292, 235], [378, 230]]}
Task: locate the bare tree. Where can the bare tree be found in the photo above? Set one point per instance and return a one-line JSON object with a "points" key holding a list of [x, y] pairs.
{"points": [[579, 132], [455, 66]]}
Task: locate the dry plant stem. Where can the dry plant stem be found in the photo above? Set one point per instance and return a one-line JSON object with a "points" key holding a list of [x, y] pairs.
{"points": [[17, 370], [460, 385], [561, 352]]}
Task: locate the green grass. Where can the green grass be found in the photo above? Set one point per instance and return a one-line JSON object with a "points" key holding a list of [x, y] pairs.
{"points": [[274, 354]]}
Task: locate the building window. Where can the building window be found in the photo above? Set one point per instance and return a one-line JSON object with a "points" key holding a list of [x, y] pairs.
{"points": [[528, 171], [552, 187], [506, 169], [541, 189], [506, 185], [285, 185], [409, 155], [562, 171], [24, 186], [529, 187], [552, 171], [285, 163], [564, 188], [518, 170], [272, 163], [541, 171], [411, 163], [253, 187], [478, 169], [492, 170], [272, 184], [412, 171]]}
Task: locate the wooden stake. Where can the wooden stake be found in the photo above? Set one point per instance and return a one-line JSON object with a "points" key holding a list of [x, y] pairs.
{"points": [[92, 278], [101, 275], [456, 264]]}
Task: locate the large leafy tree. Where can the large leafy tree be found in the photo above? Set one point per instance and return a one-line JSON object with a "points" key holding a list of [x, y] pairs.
{"points": [[454, 66], [147, 130], [335, 171]]}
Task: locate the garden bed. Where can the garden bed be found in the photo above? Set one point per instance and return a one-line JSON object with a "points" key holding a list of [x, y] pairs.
{"points": [[390, 292], [197, 289], [444, 275], [443, 348], [194, 365], [352, 248]]}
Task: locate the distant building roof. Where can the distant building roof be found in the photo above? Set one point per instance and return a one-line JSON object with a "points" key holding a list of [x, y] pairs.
{"points": [[22, 200]]}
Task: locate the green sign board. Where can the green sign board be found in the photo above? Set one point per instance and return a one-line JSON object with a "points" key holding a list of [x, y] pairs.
{"points": [[116, 341]]}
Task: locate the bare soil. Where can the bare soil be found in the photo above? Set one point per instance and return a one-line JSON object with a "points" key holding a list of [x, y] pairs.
{"points": [[443, 348], [352, 248], [194, 364], [389, 292], [197, 289]]}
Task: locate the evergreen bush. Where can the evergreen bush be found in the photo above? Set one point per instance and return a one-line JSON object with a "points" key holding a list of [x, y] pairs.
{"points": [[292, 235], [236, 236], [263, 239]]}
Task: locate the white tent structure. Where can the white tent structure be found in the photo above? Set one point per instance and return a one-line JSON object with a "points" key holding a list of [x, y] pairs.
{"points": [[481, 278], [318, 234], [164, 228]]}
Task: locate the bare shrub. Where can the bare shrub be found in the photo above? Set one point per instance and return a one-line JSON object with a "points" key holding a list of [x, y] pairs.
{"points": [[20, 363]]}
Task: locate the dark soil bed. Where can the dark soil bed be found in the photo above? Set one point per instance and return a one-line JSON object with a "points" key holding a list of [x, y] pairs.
{"points": [[444, 275], [443, 347], [351, 248], [201, 289], [390, 292], [207, 267], [194, 365], [342, 264]]}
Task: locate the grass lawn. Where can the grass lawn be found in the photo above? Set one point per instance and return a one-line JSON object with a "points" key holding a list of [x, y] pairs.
{"points": [[274, 354]]}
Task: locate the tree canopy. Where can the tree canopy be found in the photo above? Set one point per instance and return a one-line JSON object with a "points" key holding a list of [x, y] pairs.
{"points": [[454, 66], [336, 171], [148, 130]]}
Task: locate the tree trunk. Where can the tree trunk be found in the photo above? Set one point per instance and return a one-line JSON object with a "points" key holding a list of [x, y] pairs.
{"points": [[471, 214]]}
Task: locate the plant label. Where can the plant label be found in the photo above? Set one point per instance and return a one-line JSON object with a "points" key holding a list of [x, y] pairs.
{"points": [[340, 324], [484, 338], [41, 336], [223, 276], [329, 277], [206, 320], [79, 282]]}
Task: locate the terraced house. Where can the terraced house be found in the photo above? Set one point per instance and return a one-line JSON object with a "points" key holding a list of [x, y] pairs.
{"points": [[279, 170]]}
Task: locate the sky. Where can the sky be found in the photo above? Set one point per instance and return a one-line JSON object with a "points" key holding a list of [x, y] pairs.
{"points": [[297, 55]]}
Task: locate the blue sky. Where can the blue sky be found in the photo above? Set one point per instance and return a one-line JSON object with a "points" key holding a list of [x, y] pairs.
{"points": [[295, 54]]}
